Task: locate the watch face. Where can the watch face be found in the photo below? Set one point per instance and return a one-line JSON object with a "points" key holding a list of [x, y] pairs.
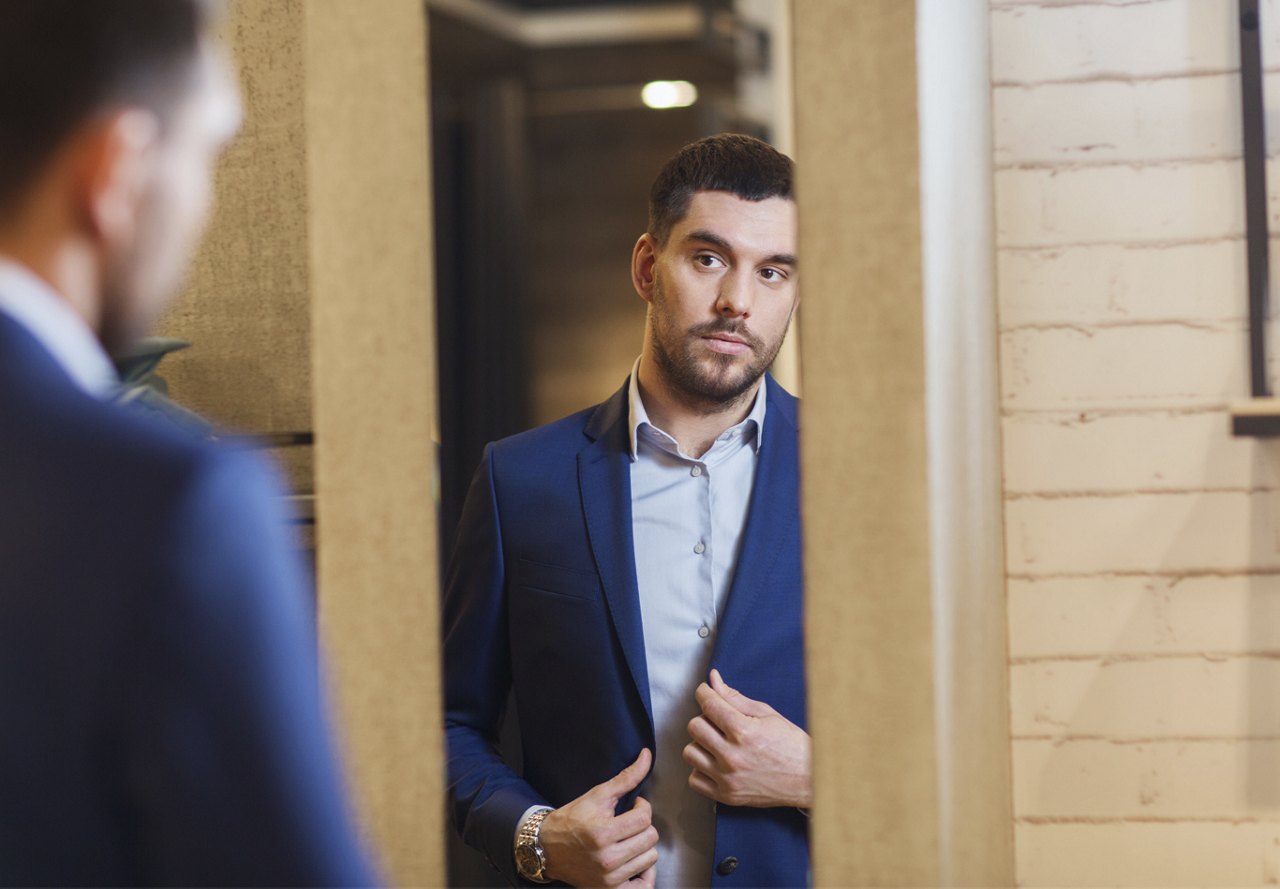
{"points": [[527, 860]]}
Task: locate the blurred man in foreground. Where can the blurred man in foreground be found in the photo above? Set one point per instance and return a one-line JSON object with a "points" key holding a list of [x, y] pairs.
{"points": [[163, 722]]}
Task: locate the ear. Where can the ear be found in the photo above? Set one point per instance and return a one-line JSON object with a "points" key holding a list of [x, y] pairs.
{"points": [[643, 258], [112, 168]]}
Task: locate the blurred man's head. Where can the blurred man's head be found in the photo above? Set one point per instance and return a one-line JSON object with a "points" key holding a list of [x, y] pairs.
{"points": [[111, 118]]}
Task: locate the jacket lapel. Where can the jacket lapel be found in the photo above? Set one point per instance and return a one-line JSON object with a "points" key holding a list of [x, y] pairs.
{"points": [[773, 520], [604, 478]]}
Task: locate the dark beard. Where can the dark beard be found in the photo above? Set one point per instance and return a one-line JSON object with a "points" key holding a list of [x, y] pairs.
{"points": [[717, 387]]}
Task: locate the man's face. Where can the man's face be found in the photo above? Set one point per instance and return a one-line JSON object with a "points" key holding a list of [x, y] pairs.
{"points": [[141, 276], [724, 288]]}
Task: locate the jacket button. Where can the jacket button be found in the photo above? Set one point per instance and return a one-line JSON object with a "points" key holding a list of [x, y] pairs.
{"points": [[727, 866]]}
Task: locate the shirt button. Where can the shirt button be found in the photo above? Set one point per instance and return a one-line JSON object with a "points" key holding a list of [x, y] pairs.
{"points": [[727, 866], [704, 631], [696, 471], [699, 547]]}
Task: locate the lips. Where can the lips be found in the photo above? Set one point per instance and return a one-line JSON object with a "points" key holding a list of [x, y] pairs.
{"points": [[726, 345]]}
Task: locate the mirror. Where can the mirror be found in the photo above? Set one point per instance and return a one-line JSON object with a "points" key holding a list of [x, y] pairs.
{"points": [[549, 122]]}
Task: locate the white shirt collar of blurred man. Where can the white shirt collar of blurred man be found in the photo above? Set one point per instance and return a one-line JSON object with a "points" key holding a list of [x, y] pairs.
{"points": [[34, 305]]}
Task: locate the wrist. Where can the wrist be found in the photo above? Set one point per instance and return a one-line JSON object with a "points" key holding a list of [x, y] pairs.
{"points": [[804, 796], [530, 857]]}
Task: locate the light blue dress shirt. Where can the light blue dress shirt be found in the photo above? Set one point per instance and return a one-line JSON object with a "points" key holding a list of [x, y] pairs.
{"points": [[46, 316], [687, 520]]}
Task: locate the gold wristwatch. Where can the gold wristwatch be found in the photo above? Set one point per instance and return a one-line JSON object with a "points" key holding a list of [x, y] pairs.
{"points": [[531, 861]]}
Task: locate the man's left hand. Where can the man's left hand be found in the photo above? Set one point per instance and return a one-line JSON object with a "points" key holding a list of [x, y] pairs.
{"points": [[745, 753]]}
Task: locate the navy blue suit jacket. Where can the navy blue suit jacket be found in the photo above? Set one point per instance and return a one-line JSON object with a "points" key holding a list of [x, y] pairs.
{"points": [[541, 597], [159, 691]]}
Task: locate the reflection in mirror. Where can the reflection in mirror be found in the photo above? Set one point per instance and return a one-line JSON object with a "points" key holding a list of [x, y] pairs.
{"points": [[550, 122]]}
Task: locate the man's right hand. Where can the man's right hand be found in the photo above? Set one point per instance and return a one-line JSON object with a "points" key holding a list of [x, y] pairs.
{"points": [[586, 844]]}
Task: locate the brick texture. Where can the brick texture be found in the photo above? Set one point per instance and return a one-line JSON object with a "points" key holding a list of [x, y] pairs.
{"points": [[1116, 453], [1152, 853], [1044, 41], [1179, 779], [1114, 283], [1159, 365], [1159, 204], [1074, 618], [1142, 540]]}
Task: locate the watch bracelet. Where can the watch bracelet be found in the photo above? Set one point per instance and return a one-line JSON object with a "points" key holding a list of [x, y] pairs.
{"points": [[529, 835]]}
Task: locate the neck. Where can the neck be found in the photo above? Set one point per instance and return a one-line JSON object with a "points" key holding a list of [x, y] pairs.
{"points": [[695, 423], [67, 265]]}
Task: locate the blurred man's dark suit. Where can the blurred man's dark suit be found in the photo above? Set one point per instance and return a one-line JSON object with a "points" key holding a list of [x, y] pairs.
{"points": [[159, 692]]}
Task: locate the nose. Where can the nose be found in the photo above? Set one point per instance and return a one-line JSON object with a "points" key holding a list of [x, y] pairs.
{"points": [[734, 297]]}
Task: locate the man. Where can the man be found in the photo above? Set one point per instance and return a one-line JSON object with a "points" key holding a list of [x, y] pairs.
{"points": [[163, 723], [633, 573]]}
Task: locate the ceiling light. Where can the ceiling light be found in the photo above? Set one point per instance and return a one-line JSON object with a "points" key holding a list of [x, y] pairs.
{"points": [[669, 94]]}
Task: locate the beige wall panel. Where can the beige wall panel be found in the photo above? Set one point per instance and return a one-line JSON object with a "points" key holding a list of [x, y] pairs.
{"points": [[374, 360], [863, 447], [245, 309]]}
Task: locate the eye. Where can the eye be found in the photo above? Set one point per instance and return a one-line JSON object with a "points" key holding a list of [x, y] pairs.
{"points": [[708, 261], [772, 275]]}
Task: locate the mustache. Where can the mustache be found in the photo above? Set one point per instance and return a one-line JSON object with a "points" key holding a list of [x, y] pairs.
{"points": [[733, 328]]}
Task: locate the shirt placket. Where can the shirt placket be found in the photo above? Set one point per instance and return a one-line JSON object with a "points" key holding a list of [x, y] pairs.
{"points": [[702, 548]]}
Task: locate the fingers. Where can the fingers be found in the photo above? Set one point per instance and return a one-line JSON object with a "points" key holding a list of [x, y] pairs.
{"points": [[635, 869], [637, 852], [646, 879], [739, 701], [708, 738], [702, 783], [630, 823], [587, 845], [629, 778], [696, 756], [703, 766], [720, 712], [630, 854]]}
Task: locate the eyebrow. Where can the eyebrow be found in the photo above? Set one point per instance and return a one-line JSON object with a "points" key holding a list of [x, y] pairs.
{"points": [[709, 237]]}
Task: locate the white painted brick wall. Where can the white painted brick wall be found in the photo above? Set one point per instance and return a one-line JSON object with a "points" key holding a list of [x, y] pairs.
{"points": [[1111, 283], [1122, 204], [1130, 121], [1072, 453], [1137, 533], [1157, 853], [1080, 617], [1074, 618], [1160, 698], [1035, 42], [1143, 541], [1156, 366], [1145, 779]]}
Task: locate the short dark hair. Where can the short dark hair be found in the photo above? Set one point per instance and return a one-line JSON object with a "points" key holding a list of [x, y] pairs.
{"points": [[741, 165], [63, 61]]}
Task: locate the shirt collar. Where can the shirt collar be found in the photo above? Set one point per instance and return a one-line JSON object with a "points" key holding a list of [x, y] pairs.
{"points": [[64, 335], [638, 415]]}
